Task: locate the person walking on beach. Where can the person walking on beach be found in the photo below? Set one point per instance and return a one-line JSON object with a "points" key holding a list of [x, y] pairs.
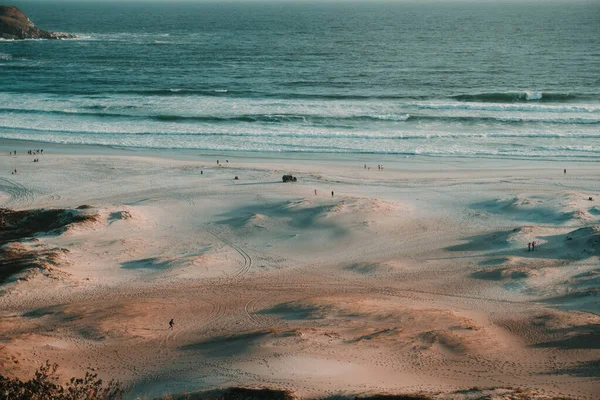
{"points": [[529, 246], [565, 171], [315, 192], [332, 193], [171, 323], [533, 246]]}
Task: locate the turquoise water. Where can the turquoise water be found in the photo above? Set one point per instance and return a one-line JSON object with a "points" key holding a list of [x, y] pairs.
{"points": [[451, 79]]}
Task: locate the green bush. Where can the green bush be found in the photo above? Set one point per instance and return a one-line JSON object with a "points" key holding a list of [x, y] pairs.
{"points": [[44, 386]]}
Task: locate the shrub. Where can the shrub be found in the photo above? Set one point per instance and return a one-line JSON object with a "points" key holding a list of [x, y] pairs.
{"points": [[44, 386]]}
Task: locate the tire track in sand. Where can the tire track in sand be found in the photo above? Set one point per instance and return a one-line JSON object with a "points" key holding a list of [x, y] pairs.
{"points": [[250, 306], [250, 310], [18, 193], [247, 260]]}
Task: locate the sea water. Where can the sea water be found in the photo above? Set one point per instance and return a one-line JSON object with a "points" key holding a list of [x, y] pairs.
{"points": [[477, 79]]}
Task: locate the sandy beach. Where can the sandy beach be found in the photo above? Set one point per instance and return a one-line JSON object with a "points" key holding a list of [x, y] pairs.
{"points": [[411, 279]]}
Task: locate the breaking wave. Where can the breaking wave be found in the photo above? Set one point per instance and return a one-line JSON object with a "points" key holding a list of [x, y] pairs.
{"points": [[319, 135], [515, 97], [310, 119]]}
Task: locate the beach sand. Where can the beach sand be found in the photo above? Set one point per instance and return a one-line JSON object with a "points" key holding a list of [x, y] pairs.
{"points": [[411, 279]]}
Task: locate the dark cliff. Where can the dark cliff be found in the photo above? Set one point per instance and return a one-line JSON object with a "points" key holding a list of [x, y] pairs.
{"points": [[14, 24]]}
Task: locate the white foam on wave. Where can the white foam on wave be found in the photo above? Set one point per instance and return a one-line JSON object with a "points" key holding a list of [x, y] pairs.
{"points": [[82, 36], [228, 106], [533, 95], [476, 106], [436, 137], [5, 57], [389, 117], [550, 120], [137, 38], [442, 149], [67, 125]]}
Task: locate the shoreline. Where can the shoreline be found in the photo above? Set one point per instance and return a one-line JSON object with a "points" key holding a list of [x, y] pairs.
{"points": [[395, 160]]}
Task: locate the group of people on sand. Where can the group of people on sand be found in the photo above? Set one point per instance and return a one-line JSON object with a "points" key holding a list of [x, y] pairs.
{"points": [[379, 167], [331, 193], [29, 152]]}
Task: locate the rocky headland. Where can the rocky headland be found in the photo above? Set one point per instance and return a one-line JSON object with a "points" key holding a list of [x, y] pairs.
{"points": [[14, 24]]}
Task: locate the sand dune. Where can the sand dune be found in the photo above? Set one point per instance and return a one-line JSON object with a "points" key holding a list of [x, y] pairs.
{"points": [[416, 279]]}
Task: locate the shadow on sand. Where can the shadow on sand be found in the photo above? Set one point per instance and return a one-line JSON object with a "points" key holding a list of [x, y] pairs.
{"points": [[17, 227], [153, 263], [227, 346], [526, 210]]}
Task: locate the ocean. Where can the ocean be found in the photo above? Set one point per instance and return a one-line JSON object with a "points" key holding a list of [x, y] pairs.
{"points": [[515, 80]]}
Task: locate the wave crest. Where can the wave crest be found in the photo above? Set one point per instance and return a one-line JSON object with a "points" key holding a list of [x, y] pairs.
{"points": [[349, 120], [515, 97]]}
